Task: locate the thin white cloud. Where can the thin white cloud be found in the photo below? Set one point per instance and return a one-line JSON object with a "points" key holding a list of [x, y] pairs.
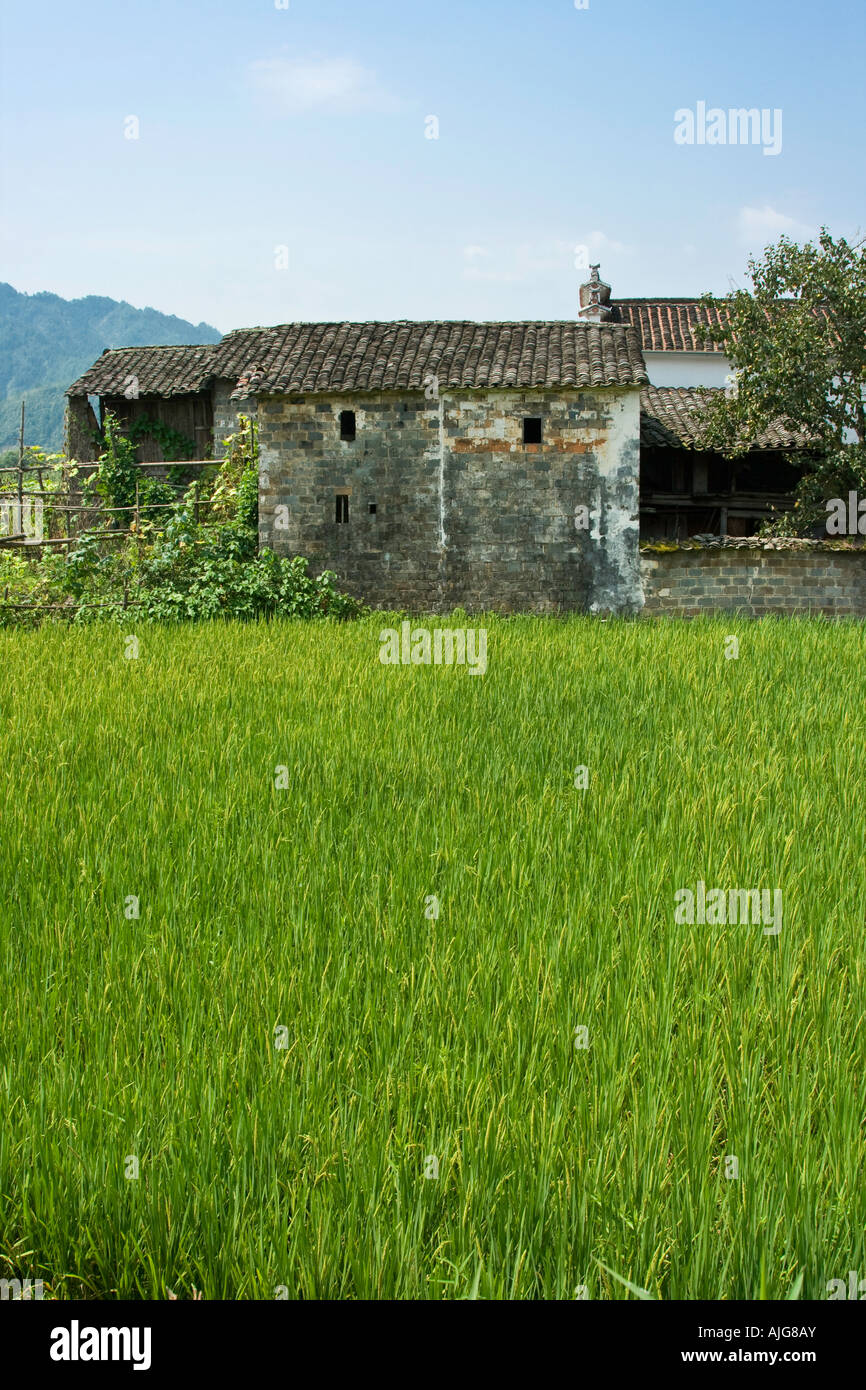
{"points": [[757, 227], [528, 262], [601, 244], [503, 277], [296, 85]]}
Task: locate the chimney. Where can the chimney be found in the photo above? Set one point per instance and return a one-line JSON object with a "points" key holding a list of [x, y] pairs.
{"points": [[594, 299]]}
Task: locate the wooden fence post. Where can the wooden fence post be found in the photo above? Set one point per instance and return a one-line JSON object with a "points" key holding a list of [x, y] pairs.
{"points": [[21, 472]]}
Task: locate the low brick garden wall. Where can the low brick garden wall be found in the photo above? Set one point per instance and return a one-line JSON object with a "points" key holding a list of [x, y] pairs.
{"points": [[754, 577]]}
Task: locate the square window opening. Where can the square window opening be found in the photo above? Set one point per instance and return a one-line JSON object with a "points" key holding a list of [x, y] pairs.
{"points": [[532, 429]]}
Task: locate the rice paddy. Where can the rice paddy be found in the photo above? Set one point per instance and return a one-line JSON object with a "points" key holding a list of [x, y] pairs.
{"points": [[323, 978]]}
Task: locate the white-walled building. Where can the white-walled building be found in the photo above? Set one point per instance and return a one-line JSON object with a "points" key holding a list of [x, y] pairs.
{"points": [[686, 490]]}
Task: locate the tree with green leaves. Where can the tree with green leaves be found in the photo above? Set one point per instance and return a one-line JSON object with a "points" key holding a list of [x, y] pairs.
{"points": [[797, 345]]}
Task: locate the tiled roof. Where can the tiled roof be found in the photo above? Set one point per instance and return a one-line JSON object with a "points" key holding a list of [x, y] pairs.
{"points": [[667, 325], [243, 349], [670, 419], [160, 371], [312, 357]]}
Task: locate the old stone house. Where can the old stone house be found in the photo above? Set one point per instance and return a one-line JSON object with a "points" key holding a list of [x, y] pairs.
{"points": [[508, 465]]}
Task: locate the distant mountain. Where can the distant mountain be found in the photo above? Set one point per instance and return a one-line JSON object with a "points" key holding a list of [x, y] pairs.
{"points": [[46, 342]]}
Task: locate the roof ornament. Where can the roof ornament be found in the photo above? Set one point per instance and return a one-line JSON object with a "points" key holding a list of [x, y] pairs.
{"points": [[594, 298]]}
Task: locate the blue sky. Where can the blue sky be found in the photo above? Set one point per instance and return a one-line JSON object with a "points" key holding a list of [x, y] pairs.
{"points": [[305, 128]]}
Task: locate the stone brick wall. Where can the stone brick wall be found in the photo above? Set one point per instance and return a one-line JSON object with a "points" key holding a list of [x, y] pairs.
{"points": [[465, 513], [80, 423], [753, 580], [226, 412]]}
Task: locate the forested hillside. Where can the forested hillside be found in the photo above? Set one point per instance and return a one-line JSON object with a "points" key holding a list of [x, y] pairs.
{"points": [[46, 342]]}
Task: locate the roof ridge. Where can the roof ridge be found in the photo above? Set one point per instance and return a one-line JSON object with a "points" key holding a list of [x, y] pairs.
{"points": [[412, 323], [162, 347], [660, 299]]}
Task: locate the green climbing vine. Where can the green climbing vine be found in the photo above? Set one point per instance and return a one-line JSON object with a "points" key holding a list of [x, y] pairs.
{"points": [[175, 445]]}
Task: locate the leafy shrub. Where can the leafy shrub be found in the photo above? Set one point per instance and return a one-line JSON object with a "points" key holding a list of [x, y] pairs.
{"points": [[117, 474], [208, 583], [185, 567]]}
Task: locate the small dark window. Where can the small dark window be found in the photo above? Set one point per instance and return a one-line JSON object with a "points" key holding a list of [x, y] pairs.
{"points": [[532, 429], [372, 508], [342, 511], [347, 424]]}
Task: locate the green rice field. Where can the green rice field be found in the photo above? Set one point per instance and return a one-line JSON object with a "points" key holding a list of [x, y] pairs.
{"points": [[326, 979]]}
